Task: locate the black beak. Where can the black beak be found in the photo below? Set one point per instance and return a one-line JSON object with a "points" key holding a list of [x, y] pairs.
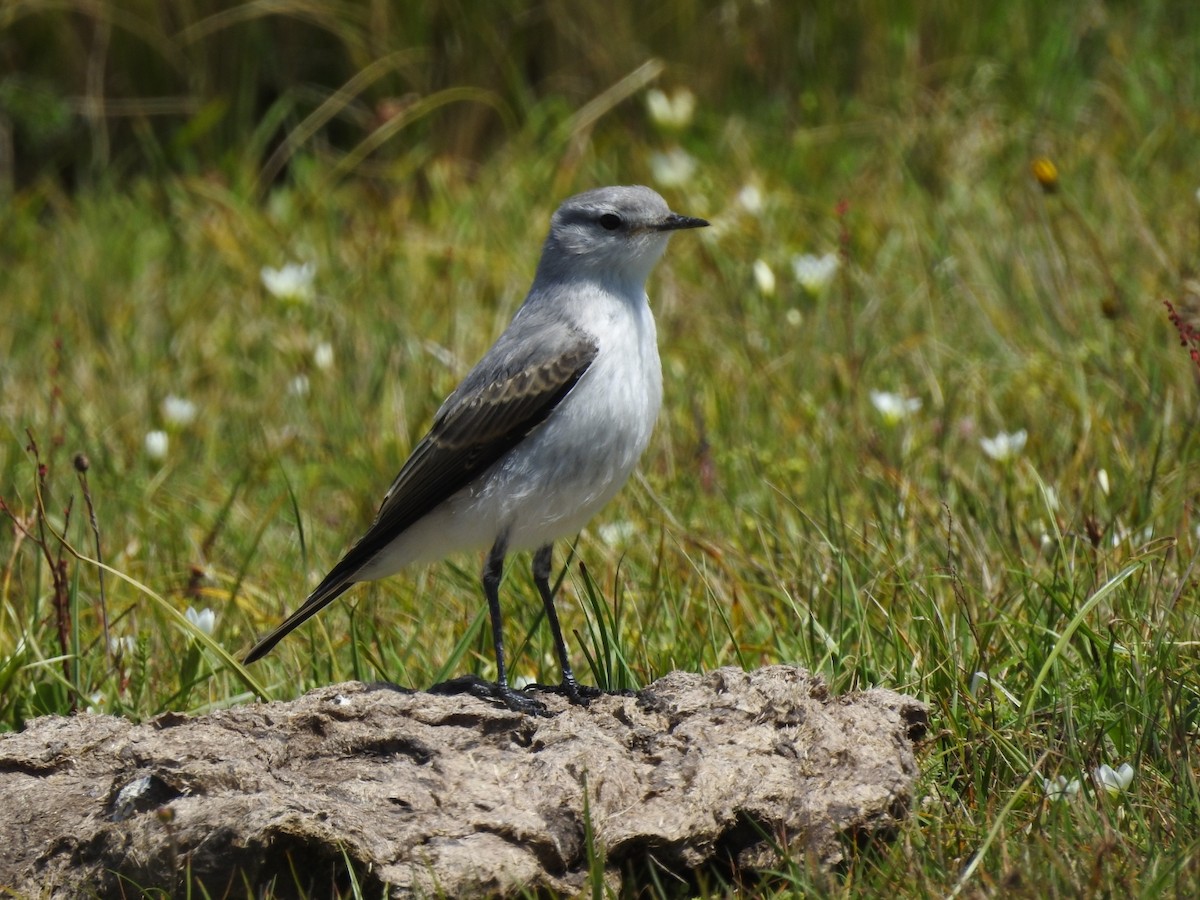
{"points": [[674, 222]]}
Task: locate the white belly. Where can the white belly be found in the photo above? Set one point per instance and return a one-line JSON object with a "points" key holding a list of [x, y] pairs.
{"points": [[552, 483]]}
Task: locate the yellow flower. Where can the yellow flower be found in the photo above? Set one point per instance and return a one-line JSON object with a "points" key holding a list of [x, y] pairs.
{"points": [[1046, 174]]}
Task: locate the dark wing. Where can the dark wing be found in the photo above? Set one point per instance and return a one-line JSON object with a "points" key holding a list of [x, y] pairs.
{"points": [[467, 438], [473, 430]]}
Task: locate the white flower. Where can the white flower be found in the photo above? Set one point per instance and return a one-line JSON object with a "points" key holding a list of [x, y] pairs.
{"points": [[298, 386], [815, 272], [293, 282], [1113, 781], [616, 533], [673, 168], [1046, 545], [764, 278], [122, 646], [1102, 480], [1004, 446], [156, 444], [673, 112], [323, 355], [793, 317], [1058, 788], [178, 410], [204, 620], [750, 199], [1120, 533], [946, 268], [894, 407]]}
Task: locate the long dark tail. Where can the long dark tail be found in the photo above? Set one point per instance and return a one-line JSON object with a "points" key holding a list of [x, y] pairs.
{"points": [[326, 593]]}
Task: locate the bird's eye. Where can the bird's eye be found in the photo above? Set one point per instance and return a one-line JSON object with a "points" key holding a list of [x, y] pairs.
{"points": [[610, 221]]}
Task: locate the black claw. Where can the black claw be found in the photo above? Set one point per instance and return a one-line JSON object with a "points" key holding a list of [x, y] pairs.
{"points": [[490, 690], [579, 694], [518, 702]]}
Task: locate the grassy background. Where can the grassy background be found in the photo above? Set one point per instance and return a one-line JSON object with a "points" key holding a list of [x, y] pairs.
{"points": [[1044, 606]]}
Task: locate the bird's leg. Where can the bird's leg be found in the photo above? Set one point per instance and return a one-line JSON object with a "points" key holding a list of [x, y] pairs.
{"points": [[493, 569], [541, 578]]}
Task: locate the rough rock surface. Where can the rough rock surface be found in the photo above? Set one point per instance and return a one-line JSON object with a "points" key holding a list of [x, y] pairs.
{"points": [[412, 793]]}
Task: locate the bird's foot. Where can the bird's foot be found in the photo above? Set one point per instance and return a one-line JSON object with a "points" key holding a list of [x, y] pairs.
{"points": [[515, 700], [518, 701], [578, 694]]}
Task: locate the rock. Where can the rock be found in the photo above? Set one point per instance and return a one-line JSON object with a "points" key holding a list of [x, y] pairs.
{"points": [[416, 793]]}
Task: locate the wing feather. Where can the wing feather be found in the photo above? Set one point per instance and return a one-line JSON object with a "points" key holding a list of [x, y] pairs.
{"points": [[476, 426]]}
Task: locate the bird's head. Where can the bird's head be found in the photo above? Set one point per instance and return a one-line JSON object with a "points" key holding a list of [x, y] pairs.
{"points": [[610, 232]]}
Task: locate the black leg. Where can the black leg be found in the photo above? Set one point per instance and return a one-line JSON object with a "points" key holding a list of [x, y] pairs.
{"points": [[493, 570], [541, 578]]}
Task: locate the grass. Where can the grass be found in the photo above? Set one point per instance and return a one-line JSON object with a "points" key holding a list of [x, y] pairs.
{"points": [[1042, 605]]}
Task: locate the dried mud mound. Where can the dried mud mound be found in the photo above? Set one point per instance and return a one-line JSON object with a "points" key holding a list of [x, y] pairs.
{"points": [[417, 794]]}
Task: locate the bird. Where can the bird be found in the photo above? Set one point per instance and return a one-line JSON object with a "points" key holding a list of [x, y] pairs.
{"points": [[542, 432]]}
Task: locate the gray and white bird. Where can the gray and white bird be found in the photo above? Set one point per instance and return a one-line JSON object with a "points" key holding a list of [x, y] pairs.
{"points": [[543, 431]]}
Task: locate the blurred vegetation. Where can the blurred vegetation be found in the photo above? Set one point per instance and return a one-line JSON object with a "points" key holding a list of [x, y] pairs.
{"points": [[1004, 197], [95, 89]]}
